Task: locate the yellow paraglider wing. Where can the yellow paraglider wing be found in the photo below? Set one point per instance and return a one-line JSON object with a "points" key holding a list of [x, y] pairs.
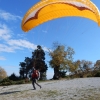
{"points": [[47, 10]]}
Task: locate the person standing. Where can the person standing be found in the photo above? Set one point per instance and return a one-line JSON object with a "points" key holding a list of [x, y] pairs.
{"points": [[35, 76]]}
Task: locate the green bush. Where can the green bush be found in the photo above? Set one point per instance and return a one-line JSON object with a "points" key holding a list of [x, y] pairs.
{"points": [[89, 75], [6, 82], [20, 82], [1, 80], [97, 74], [62, 74]]}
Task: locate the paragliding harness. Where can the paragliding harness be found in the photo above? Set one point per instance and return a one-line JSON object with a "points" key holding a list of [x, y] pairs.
{"points": [[35, 74]]}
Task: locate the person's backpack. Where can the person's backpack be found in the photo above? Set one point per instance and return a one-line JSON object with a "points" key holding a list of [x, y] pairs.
{"points": [[35, 74]]}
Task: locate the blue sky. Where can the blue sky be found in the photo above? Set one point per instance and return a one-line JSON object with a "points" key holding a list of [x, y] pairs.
{"points": [[83, 35]]}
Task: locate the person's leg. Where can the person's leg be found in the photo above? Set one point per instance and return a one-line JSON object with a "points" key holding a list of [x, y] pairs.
{"points": [[33, 83], [37, 83]]}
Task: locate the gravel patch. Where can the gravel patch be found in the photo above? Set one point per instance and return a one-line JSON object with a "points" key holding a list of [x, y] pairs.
{"points": [[72, 89]]}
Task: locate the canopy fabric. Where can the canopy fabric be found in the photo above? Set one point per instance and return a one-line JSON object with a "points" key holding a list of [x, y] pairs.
{"points": [[46, 10]]}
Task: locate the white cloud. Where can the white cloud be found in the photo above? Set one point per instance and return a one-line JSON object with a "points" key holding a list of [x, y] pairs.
{"points": [[7, 16], [46, 49], [22, 43], [44, 31], [21, 35], [4, 32], [10, 45], [2, 58], [5, 48]]}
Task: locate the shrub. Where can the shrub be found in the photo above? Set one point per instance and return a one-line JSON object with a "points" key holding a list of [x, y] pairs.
{"points": [[20, 82], [62, 74], [6, 82], [89, 75], [97, 74], [3, 74]]}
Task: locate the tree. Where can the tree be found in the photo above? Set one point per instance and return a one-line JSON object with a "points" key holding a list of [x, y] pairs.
{"points": [[22, 69], [61, 59], [38, 59], [13, 77], [96, 71], [97, 65], [83, 68], [3, 74], [28, 66], [74, 66]]}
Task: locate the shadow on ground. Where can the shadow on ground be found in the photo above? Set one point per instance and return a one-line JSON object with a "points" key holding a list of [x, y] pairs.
{"points": [[5, 93]]}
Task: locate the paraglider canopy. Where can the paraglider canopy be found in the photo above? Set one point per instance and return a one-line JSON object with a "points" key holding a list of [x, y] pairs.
{"points": [[46, 10]]}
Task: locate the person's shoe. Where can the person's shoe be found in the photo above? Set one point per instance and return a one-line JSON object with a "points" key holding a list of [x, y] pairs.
{"points": [[40, 87], [34, 89]]}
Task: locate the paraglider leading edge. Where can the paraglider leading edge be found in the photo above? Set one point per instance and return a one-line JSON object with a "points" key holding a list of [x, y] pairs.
{"points": [[46, 10]]}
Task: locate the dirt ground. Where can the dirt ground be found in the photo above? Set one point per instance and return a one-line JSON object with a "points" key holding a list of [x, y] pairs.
{"points": [[72, 89]]}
